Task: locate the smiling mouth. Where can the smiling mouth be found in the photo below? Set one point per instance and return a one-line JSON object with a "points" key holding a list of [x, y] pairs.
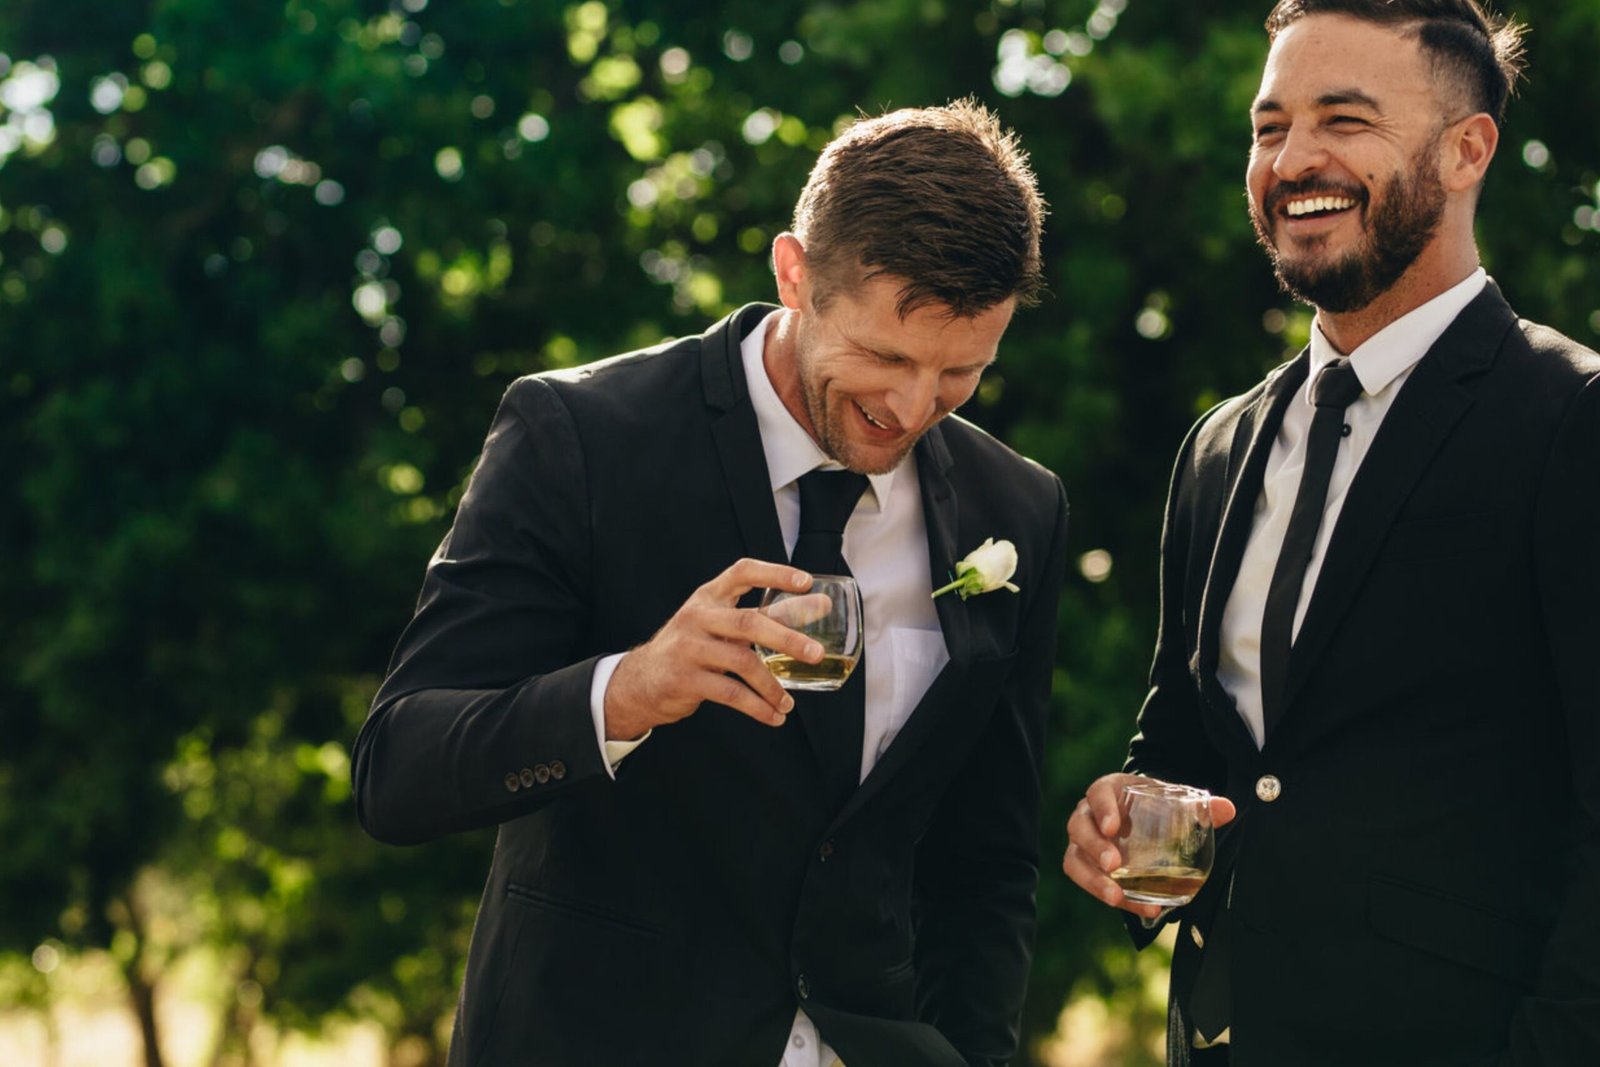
{"points": [[1316, 207], [874, 423]]}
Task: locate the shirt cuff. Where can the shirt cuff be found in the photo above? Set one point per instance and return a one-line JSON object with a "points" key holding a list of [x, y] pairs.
{"points": [[612, 752]]}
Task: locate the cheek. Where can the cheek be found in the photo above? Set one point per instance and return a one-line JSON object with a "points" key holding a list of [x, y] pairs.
{"points": [[953, 394], [1255, 179]]}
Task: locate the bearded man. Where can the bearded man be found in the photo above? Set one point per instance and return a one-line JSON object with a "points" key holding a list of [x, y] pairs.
{"points": [[1379, 622]]}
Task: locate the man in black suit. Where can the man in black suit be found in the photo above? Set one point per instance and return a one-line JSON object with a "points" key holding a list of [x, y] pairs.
{"points": [[1380, 603], [683, 875]]}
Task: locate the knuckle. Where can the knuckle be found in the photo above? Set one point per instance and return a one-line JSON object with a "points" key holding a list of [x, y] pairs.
{"points": [[730, 692]]}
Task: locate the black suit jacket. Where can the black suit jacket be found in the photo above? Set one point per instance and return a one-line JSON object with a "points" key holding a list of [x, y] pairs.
{"points": [[679, 914], [1426, 887]]}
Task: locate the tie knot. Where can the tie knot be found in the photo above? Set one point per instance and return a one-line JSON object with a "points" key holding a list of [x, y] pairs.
{"points": [[827, 498], [1336, 386]]}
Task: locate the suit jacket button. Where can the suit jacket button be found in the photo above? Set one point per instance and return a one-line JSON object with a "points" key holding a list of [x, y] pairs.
{"points": [[825, 851], [513, 783], [558, 770], [803, 987], [1268, 788], [527, 777], [1199, 938], [541, 773]]}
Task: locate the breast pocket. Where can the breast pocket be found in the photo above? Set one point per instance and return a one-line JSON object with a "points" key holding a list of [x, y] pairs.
{"points": [[918, 657], [1441, 537]]}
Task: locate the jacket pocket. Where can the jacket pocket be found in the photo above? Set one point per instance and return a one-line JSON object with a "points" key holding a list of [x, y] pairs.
{"points": [[1456, 930], [1441, 536], [582, 911]]}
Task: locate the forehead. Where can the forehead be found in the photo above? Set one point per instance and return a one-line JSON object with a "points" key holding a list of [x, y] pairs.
{"points": [[1323, 56]]}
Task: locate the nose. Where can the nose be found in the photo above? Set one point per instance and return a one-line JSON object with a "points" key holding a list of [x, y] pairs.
{"points": [[1301, 153], [912, 403]]}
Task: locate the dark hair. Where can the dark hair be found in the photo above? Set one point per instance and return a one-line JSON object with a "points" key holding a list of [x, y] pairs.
{"points": [[1482, 52], [941, 197]]}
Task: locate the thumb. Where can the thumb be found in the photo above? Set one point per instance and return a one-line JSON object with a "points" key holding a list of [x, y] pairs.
{"points": [[1222, 811]]}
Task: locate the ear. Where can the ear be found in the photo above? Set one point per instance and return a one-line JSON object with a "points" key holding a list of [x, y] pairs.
{"points": [[789, 264], [1469, 147]]}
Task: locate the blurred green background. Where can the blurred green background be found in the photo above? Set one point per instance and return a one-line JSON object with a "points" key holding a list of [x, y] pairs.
{"points": [[265, 270]]}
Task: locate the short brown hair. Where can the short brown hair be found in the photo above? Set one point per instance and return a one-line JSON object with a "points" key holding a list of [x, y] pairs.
{"points": [[941, 197], [1478, 50]]}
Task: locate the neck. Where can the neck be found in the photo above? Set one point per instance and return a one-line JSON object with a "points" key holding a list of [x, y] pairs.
{"points": [[779, 359]]}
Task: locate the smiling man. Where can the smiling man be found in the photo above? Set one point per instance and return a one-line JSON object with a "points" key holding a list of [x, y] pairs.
{"points": [[693, 869], [1379, 589]]}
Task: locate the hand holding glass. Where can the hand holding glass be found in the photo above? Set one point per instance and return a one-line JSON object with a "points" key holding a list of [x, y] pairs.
{"points": [[1166, 843], [830, 614]]}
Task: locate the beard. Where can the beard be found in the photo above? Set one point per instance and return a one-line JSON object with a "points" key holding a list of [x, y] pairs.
{"points": [[1407, 216]]}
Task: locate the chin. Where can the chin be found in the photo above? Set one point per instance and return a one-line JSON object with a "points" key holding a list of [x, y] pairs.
{"points": [[869, 458]]}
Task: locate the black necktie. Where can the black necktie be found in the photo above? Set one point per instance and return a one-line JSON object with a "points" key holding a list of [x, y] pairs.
{"points": [[826, 500], [1336, 386], [836, 719]]}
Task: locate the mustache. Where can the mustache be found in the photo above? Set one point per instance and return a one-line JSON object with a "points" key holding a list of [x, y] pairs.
{"points": [[1292, 190]]}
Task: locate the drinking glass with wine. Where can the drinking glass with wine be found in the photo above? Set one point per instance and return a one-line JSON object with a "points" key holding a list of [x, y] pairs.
{"points": [[830, 614], [1167, 844]]}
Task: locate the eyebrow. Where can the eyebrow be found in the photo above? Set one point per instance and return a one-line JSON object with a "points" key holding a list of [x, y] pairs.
{"points": [[1337, 98]]}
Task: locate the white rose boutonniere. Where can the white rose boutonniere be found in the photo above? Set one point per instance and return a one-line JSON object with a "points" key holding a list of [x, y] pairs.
{"points": [[985, 569]]}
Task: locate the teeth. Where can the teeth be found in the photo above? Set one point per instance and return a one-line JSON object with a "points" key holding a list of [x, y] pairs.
{"points": [[869, 418], [1310, 205]]}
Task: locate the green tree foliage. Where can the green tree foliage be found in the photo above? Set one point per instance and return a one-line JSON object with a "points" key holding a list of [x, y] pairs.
{"points": [[266, 268]]}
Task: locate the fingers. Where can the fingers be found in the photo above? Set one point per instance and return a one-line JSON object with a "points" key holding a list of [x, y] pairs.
{"points": [[1092, 853], [1090, 856], [748, 574], [734, 692], [743, 627], [755, 691], [797, 611], [1094, 878]]}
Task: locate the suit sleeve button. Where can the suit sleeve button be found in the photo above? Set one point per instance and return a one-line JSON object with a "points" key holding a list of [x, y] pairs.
{"points": [[513, 783], [558, 770], [802, 986], [527, 778], [541, 773]]}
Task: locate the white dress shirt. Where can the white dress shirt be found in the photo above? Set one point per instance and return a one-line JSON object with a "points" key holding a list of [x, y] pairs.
{"points": [[1383, 363], [885, 543]]}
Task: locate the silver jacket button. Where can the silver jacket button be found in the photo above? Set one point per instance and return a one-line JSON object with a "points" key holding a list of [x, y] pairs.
{"points": [[1268, 788]]}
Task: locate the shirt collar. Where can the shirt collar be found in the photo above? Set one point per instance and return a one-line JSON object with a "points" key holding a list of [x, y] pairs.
{"points": [[789, 449], [1396, 348]]}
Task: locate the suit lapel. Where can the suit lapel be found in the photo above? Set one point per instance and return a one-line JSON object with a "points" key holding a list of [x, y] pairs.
{"points": [[737, 436], [1247, 463], [939, 513], [1430, 403]]}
